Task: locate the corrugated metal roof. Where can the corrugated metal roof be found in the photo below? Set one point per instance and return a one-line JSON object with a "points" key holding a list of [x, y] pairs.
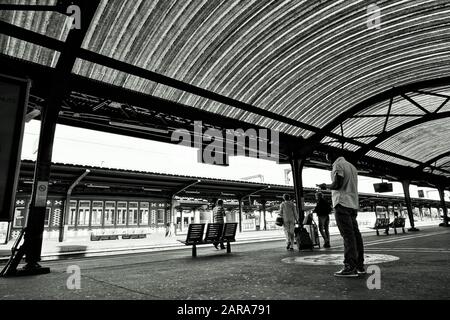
{"points": [[305, 60]]}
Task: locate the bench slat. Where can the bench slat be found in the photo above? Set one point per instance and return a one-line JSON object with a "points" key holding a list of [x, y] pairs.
{"points": [[213, 232]]}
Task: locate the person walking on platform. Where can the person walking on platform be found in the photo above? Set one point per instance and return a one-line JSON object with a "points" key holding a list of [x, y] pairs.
{"points": [[323, 210], [344, 192], [218, 216], [289, 213]]}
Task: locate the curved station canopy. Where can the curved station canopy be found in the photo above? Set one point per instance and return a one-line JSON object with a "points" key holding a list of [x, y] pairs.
{"points": [[372, 79]]}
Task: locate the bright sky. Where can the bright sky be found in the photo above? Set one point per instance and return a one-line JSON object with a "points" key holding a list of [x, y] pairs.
{"points": [[94, 148]]}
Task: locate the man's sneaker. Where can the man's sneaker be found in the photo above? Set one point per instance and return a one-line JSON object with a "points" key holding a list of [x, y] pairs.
{"points": [[361, 271], [346, 272], [326, 245]]}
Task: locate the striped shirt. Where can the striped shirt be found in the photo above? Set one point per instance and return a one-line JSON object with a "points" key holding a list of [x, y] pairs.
{"points": [[218, 214]]}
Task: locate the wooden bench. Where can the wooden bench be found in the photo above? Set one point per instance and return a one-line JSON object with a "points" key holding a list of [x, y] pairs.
{"points": [[134, 236], [381, 223], [97, 237], [215, 232]]}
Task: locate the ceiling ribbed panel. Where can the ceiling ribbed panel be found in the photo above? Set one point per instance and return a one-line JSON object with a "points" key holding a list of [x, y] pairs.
{"points": [[445, 90], [28, 51], [428, 102], [361, 126], [443, 163], [380, 108], [51, 24], [384, 157], [395, 122], [421, 142], [306, 60], [445, 108]]}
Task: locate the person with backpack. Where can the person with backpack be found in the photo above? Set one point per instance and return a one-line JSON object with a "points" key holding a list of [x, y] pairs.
{"points": [[323, 211], [290, 216]]}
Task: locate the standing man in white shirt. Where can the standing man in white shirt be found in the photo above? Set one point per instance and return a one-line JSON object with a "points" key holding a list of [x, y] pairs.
{"points": [[344, 192]]}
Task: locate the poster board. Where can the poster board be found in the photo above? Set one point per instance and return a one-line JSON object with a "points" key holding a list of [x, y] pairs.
{"points": [[13, 103]]}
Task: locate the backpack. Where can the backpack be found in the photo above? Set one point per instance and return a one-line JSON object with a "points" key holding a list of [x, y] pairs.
{"points": [[303, 239]]}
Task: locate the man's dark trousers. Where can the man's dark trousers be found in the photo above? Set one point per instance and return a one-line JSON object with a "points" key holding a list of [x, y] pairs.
{"points": [[353, 243]]}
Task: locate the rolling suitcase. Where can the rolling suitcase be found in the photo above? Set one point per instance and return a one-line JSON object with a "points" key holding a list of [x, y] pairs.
{"points": [[313, 231]]}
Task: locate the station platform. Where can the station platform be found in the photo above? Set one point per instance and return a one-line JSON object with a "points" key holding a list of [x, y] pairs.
{"points": [[52, 249], [413, 266]]}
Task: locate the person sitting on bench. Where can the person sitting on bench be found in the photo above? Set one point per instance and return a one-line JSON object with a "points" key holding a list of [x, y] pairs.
{"points": [[394, 223]]}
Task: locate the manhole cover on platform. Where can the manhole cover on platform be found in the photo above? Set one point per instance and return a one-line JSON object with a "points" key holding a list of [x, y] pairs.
{"points": [[338, 259]]}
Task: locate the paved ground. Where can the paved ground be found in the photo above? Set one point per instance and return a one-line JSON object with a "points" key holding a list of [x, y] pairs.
{"points": [[52, 249], [253, 271]]}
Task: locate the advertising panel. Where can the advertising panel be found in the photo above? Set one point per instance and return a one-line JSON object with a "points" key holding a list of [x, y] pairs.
{"points": [[13, 100]]}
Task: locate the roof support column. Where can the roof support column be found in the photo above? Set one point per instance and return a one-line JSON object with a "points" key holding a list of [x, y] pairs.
{"points": [[297, 163], [405, 184], [240, 214], [444, 207], [58, 88], [264, 214]]}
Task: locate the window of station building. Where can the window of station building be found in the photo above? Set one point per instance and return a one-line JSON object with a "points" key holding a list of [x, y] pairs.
{"points": [[143, 213], [110, 210], [72, 212], [97, 211], [48, 211], [19, 217], [160, 216], [121, 213], [84, 209], [133, 213]]}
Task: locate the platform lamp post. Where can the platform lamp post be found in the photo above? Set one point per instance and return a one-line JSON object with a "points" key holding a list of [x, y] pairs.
{"points": [[65, 215]]}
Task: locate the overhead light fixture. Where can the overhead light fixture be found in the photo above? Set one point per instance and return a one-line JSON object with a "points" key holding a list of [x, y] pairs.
{"points": [[97, 186], [150, 189], [32, 114], [227, 194], [137, 127], [319, 162], [193, 192]]}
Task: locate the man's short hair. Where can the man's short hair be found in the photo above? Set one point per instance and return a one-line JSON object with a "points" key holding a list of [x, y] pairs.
{"points": [[319, 194], [286, 197], [220, 202], [333, 154]]}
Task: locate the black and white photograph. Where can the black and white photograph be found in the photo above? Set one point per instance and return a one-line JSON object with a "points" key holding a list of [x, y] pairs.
{"points": [[224, 159]]}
